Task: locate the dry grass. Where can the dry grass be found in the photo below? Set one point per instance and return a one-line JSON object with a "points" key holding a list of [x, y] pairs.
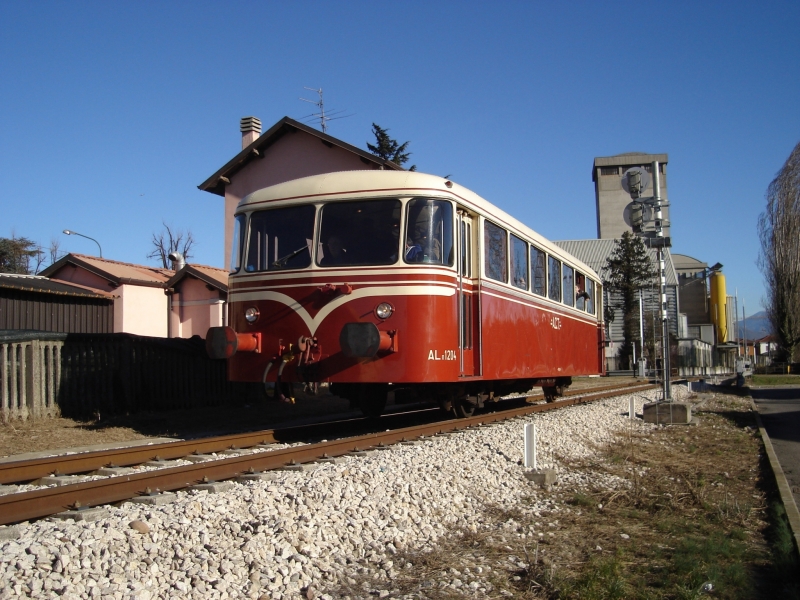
{"points": [[696, 517]]}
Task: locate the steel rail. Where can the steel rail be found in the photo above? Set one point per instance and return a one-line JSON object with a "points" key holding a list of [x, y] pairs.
{"points": [[85, 462], [35, 504]]}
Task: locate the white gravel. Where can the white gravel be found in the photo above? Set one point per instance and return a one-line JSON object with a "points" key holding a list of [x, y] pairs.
{"points": [[302, 533]]}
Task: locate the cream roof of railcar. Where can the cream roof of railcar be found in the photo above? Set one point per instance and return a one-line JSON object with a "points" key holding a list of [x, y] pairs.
{"points": [[347, 185]]}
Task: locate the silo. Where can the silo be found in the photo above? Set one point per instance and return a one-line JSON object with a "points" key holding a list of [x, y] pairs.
{"points": [[718, 306]]}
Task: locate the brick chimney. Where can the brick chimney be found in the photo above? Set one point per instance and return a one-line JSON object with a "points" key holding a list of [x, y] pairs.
{"points": [[251, 130]]}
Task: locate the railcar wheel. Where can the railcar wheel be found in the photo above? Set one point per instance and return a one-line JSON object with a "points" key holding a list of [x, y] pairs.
{"points": [[463, 407], [553, 392], [371, 399], [550, 393]]}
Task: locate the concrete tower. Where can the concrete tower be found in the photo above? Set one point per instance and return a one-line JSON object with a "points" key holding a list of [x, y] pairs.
{"points": [[613, 203]]}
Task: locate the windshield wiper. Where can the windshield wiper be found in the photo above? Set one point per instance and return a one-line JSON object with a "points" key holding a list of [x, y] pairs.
{"points": [[282, 260]]}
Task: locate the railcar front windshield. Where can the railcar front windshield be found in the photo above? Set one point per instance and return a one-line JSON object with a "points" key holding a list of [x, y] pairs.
{"points": [[280, 238], [429, 232], [238, 243], [363, 232]]}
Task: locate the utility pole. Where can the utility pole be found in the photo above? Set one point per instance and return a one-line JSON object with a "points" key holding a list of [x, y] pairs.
{"points": [[660, 243], [634, 182]]}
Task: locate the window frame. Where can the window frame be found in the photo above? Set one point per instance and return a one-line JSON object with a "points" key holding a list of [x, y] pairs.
{"points": [[486, 253], [511, 271]]}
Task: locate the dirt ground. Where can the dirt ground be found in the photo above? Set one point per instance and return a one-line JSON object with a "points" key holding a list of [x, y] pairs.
{"points": [[20, 437], [698, 517]]}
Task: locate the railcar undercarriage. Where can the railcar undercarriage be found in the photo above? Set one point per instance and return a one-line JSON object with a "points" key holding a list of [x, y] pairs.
{"points": [[462, 399]]}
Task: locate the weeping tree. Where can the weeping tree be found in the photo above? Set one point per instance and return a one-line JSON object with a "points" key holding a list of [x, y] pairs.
{"points": [[627, 269], [20, 255], [779, 232]]}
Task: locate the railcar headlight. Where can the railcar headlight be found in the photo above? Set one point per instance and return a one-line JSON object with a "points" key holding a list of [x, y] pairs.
{"points": [[251, 314], [384, 310]]}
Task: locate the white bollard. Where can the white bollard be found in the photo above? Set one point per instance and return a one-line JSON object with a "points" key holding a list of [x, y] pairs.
{"points": [[530, 445], [631, 408]]}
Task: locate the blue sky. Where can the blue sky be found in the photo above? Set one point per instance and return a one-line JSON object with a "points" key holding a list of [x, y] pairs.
{"points": [[112, 113]]}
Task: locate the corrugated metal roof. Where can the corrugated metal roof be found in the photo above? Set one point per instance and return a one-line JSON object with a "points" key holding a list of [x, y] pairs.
{"points": [[684, 261], [595, 253], [37, 283]]}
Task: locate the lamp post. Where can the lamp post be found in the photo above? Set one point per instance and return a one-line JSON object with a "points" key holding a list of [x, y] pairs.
{"points": [[70, 232]]}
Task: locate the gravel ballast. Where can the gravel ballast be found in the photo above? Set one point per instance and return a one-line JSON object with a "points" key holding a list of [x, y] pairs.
{"points": [[303, 533]]}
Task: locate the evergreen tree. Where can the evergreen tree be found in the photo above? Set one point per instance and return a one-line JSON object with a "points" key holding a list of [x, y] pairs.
{"points": [[16, 255], [388, 148], [627, 269]]}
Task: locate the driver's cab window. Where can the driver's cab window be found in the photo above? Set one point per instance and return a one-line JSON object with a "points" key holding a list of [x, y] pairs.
{"points": [[281, 238], [429, 232], [363, 232]]}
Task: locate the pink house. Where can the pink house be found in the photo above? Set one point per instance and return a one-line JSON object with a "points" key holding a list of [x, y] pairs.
{"points": [[288, 150], [140, 305], [197, 296], [149, 300]]}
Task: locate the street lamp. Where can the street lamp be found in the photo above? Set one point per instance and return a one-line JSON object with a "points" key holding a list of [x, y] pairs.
{"points": [[70, 232]]}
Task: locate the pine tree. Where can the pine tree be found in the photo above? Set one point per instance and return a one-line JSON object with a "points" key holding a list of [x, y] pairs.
{"points": [[627, 269], [388, 148]]}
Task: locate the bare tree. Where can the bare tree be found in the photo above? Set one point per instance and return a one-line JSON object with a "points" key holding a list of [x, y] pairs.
{"points": [[779, 232], [54, 250], [171, 240]]}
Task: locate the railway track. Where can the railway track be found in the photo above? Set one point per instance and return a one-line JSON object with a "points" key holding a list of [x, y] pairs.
{"points": [[22, 506]]}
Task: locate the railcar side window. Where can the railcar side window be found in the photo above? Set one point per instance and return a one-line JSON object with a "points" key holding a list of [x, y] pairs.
{"points": [[580, 291], [554, 279], [281, 238], [590, 293], [366, 232], [495, 245], [466, 247], [429, 232], [568, 277], [236, 246], [519, 263], [539, 271]]}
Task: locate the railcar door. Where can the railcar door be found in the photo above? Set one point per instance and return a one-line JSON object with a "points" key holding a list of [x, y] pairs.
{"points": [[468, 330]]}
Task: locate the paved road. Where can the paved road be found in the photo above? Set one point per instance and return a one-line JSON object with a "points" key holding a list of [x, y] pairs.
{"points": [[780, 413]]}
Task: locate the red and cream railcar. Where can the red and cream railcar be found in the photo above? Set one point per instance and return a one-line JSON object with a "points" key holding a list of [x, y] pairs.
{"points": [[385, 281]]}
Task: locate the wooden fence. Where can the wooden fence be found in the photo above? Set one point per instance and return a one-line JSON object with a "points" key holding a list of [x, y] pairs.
{"points": [[79, 375]]}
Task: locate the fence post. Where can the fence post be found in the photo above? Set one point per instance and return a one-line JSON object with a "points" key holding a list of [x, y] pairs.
{"points": [[33, 379], [5, 412]]}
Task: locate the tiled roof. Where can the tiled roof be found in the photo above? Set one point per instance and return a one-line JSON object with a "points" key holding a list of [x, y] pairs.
{"points": [[113, 270], [211, 275]]}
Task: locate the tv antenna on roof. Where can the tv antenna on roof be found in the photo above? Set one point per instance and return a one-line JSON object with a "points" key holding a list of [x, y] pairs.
{"points": [[323, 118]]}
